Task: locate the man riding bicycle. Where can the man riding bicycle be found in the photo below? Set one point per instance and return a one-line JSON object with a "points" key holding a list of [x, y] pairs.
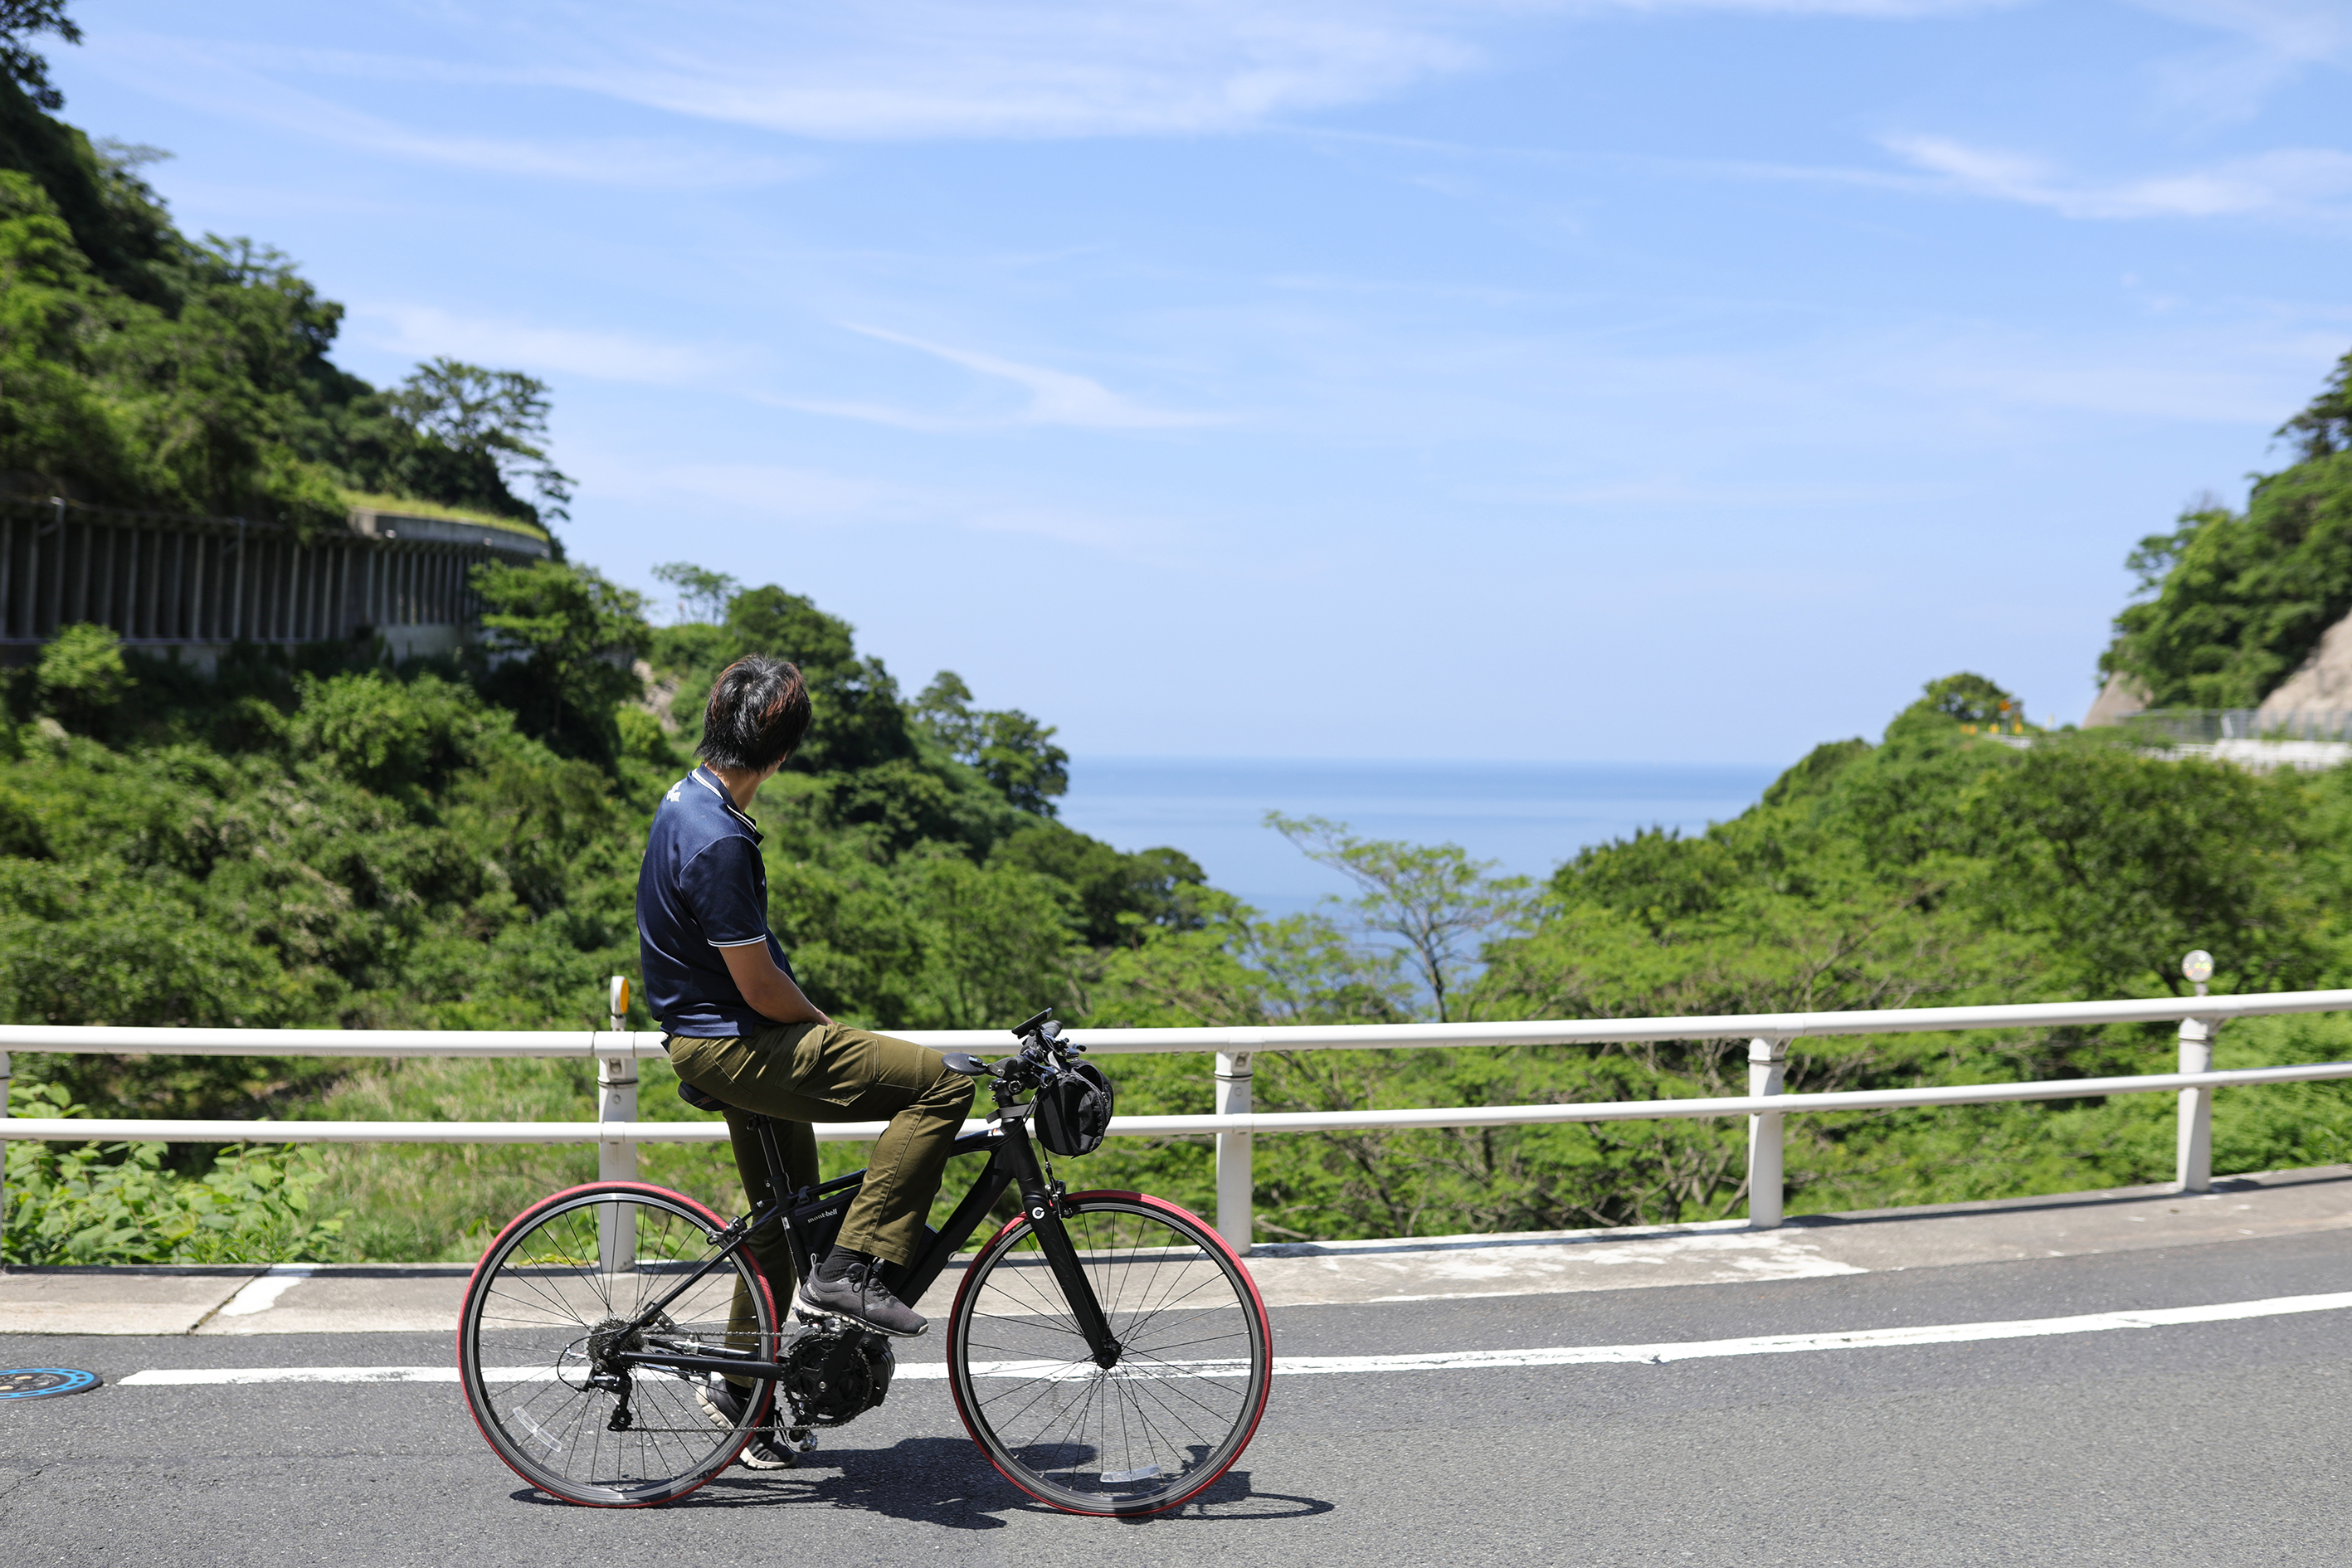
{"points": [[738, 1027]]}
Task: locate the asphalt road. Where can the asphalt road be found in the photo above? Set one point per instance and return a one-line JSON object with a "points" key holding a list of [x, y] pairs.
{"points": [[2213, 1444]]}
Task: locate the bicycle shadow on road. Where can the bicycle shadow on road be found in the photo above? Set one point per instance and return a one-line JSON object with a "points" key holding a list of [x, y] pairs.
{"points": [[1231, 1499], [942, 1481]]}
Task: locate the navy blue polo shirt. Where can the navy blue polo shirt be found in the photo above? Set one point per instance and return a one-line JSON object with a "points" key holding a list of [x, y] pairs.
{"points": [[703, 888]]}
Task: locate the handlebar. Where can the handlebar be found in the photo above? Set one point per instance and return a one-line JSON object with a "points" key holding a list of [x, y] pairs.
{"points": [[1041, 1058]]}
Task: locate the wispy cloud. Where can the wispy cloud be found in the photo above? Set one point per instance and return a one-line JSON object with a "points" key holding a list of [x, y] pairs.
{"points": [[1658, 492], [1886, 10], [914, 69], [2310, 181], [225, 82], [2239, 371], [780, 492], [2265, 45], [1055, 397], [2302, 30], [906, 69], [425, 330], [789, 495]]}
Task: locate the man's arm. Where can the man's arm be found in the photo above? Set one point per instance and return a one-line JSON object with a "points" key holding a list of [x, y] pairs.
{"points": [[769, 989]]}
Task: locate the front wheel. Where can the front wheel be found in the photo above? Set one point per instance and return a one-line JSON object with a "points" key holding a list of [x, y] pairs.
{"points": [[552, 1300], [1196, 1357]]}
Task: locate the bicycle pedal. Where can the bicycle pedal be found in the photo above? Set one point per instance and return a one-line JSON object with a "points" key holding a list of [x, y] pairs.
{"points": [[835, 1322], [799, 1440]]}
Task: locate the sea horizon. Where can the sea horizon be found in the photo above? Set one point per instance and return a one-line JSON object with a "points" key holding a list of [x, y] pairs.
{"points": [[1528, 817]]}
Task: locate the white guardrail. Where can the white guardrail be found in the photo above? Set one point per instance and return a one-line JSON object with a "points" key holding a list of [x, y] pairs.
{"points": [[617, 1132]]}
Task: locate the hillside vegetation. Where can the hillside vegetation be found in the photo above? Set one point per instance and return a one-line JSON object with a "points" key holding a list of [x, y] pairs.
{"points": [[314, 841], [145, 369], [2233, 601], [315, 838], [368, 848], [1936, 868]]}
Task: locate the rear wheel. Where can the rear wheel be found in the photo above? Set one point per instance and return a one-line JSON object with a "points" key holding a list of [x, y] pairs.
{"points": [[1195, 1360], [558, 1292]]}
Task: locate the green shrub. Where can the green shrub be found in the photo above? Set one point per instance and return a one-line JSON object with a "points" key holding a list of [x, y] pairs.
{"points": [[116, 1203], [81, 675]]}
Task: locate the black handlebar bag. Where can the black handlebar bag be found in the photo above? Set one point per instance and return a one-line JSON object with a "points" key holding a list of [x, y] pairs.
{"points": [[1074, 1110]]}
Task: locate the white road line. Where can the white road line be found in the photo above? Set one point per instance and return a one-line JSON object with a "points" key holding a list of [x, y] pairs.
{"points": [[1852, 1339], [261, 1294], [194, 1376], [165, 1376], [1435, 1360]]}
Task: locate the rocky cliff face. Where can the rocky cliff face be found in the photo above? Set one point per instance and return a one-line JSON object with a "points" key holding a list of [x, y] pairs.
{"points": [[2322, 684], [2122, 697]]}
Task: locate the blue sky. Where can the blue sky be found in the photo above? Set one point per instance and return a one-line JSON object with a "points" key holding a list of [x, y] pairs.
{"points": [[1556, 382]]}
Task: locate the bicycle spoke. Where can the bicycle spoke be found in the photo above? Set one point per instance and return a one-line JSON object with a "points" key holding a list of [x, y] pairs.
{"points": [[554, 1292], [1173, 1412]]}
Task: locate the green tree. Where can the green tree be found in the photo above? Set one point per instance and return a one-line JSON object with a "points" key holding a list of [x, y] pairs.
{"points": [[2324, 428], [1229, 967], [2114, 864], [702, 594], [146, 369], [21, 20], [1121, 896], [479, 431], [81, 676], [1971, 700], [2231, 601], [859, 720], [1013, 751], [387, 735], [571, 639], [1434, 900], [195, 405], [995, 941]]}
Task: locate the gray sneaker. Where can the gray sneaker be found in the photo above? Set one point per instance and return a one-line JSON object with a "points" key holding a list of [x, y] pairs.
{"points": [[844, 1284], [723, 1403]]}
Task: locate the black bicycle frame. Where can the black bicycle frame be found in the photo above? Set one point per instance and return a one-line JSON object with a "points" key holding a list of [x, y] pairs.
{"points": [[1013, 1160]]}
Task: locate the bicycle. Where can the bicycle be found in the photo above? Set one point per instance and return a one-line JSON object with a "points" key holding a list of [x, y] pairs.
{"points": [[1107, 1351]]}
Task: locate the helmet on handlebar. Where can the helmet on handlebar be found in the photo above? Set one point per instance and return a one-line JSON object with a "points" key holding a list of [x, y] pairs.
{"points": [[1074, 1110]]}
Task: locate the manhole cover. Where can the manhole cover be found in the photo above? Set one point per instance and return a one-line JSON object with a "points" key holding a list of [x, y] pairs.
{"points": [[39, 1381]]}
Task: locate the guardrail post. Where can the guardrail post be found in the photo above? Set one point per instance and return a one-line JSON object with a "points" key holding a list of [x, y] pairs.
{"points": [[616, 1100], [1767, 1073], [2193, 1164], [6, 1080], [1235, 1179], [2194, 1167]]}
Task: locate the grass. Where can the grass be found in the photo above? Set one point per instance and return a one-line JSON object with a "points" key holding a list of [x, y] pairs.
{"points": [[403, 506], [424, 1203]]}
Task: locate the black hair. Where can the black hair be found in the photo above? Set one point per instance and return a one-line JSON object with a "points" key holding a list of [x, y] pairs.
{"points": [[758, 712]]}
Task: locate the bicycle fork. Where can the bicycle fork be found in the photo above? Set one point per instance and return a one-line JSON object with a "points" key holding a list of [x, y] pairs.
{"points": [[1044, 1203]]}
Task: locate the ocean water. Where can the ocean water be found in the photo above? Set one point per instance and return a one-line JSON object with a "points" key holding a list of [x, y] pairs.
{"points": [[1528, 817]]}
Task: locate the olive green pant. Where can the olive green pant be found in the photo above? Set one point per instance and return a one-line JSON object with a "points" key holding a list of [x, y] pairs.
{"points": [[795, 1074]]}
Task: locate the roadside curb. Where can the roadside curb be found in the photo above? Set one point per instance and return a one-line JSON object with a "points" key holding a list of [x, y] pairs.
{"points": [[346, 1298]]}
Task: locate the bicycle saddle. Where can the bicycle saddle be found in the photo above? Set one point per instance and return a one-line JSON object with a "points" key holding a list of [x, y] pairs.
{"points": [[700, 1099]]}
